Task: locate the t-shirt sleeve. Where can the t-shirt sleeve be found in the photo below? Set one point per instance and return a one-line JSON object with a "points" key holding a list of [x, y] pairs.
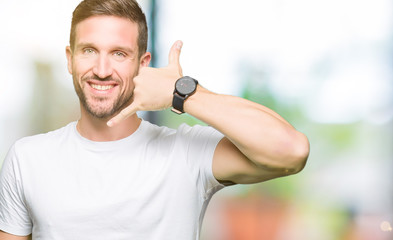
{"points": [[201, 142], [14, 217]]}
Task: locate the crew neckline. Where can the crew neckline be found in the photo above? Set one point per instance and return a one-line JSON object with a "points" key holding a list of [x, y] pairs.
{"points": [[107, 145]]}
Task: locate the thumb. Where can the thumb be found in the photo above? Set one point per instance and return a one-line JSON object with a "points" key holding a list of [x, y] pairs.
{"points": [[174, 53]]}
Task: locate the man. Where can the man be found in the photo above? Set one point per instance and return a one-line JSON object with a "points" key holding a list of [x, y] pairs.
{"points": [[111, 175]]}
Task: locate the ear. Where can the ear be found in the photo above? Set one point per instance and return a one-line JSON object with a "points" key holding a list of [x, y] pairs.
{"points": [[69, 59], [145, 59]]}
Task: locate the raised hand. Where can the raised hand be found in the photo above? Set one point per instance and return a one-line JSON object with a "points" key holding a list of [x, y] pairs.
{"points": [[154, 87]]}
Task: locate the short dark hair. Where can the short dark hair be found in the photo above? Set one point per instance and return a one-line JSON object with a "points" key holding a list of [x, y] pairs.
{"points": [[129, 9]]}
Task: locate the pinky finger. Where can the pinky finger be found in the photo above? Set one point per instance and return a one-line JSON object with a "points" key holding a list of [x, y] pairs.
{"points": [[124, 114]]}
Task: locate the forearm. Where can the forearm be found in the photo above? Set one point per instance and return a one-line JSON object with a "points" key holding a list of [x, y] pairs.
{"points": [[7, 236], [262, 135]]}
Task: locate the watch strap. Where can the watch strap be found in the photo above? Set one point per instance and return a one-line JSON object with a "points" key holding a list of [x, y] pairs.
{"points": [[178, 103]]}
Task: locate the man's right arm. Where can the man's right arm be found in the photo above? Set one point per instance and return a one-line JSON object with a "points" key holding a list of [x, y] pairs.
{"points": [[13, 211], [7, 236]]}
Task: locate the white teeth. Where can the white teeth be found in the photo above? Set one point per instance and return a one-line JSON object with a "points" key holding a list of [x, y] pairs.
{"points": [[101, 87]]}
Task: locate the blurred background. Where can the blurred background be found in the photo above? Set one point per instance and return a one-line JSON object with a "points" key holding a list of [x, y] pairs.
{"points": [[324, 65]]}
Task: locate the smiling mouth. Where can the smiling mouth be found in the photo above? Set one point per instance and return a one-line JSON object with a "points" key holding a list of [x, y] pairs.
{"points": [[102, 87]]}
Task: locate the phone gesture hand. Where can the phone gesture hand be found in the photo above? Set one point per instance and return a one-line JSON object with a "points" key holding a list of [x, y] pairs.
{"points": [[153, 87]]}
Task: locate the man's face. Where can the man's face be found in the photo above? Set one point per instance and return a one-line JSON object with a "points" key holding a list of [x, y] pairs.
{"points": [[104, 62]]}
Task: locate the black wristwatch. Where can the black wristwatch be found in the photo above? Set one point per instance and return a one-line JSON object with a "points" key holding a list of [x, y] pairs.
{"points": [[184, 87]]}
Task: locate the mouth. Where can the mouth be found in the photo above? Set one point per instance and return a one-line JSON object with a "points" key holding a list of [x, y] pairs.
{"points": [[101, 87]]}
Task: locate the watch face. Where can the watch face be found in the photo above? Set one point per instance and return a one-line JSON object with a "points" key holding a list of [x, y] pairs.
{"points": [[185, 85]]}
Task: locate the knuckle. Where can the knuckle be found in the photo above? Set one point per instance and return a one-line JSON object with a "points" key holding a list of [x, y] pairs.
{"points": [[136, 80], [142, 70]]}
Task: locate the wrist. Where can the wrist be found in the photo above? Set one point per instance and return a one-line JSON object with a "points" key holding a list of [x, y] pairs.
{"points": [[184, 88]]}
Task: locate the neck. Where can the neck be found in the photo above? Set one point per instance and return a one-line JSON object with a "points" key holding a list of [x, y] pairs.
{"points": [[95, 129]]}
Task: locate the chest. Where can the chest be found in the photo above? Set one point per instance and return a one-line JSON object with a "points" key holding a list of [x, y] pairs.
{"points": [[91, 190]]}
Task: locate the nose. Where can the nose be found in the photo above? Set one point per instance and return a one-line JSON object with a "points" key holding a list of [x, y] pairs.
{"points": [[102, 67]]}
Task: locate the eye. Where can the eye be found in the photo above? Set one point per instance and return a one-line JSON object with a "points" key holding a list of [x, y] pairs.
{"points": [[119, 55], [88, 51]]}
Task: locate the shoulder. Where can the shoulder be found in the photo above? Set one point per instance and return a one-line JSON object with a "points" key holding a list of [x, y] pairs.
{"points": [[154, 131], [44, 140], [184, 130], [198, 131]]}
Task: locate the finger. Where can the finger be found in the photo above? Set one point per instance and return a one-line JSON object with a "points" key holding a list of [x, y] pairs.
{"points": [[174, 53], [125, 113]]}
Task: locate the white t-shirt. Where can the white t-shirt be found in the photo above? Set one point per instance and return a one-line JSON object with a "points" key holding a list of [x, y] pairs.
{"points": [[154, 184]]}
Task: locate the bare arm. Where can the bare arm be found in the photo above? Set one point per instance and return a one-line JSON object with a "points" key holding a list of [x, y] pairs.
{"points": [[258, 145], [7, 236]]}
